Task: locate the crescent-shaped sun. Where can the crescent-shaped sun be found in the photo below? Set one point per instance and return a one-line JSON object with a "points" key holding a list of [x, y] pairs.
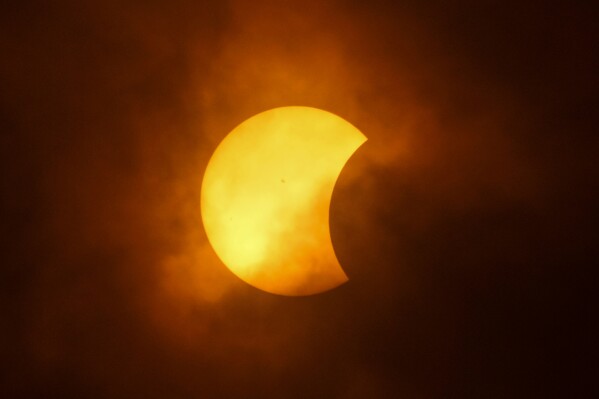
{"points": [[266, 195]]}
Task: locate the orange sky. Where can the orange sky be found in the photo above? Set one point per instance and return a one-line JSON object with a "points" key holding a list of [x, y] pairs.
{"points": [[463, 223]]}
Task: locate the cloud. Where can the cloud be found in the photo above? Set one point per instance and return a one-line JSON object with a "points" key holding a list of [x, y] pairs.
{"points": [[454, 221]]}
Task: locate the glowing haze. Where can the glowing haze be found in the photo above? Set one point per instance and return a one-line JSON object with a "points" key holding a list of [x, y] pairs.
{"points": [[266, 195], [465, 225]]}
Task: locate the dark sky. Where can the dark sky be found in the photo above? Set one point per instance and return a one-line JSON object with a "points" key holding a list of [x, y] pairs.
{"points": [[465, 223]]}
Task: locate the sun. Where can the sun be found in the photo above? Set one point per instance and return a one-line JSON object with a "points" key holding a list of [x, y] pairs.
{"points": [[266, 195]]}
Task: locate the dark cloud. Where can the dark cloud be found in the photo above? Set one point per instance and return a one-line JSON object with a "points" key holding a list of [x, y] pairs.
{"points": [[465, 223]]}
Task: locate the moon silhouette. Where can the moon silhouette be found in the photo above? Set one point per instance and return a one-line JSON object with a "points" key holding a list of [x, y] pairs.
{"points": [[266, 195]]}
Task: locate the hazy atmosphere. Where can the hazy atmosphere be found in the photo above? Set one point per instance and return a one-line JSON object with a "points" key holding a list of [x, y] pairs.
{"points": [[464, 223]]}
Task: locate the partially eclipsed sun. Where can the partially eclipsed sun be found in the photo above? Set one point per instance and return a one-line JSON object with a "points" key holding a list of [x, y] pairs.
{"points": [[266, 195]]}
